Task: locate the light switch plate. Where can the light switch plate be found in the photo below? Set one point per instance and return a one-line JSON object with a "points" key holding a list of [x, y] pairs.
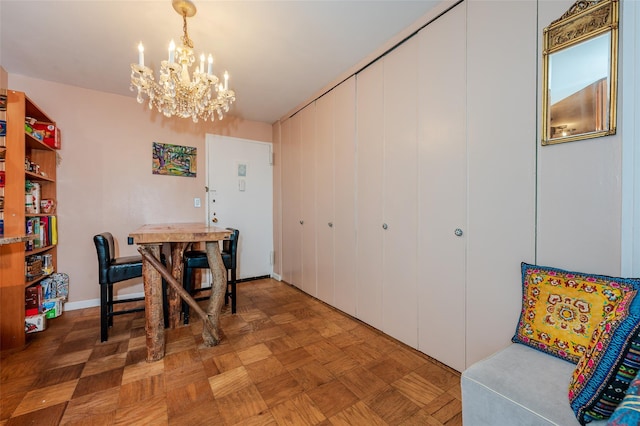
{"points": [[196, 202]]}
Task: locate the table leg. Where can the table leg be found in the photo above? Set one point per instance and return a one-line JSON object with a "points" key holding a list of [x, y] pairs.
{"points": [[154, 325], [175, 302], [212, 332], [218, 289]]}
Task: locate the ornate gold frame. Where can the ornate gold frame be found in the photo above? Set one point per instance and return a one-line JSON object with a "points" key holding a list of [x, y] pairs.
{"points": [[582, 23]]}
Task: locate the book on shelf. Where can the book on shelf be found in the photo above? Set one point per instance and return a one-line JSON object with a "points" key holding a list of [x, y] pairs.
{"points": [[45, 230]]}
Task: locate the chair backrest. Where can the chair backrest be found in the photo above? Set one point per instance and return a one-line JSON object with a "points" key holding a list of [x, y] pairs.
{"points": [[231, 246], [105, 251]]}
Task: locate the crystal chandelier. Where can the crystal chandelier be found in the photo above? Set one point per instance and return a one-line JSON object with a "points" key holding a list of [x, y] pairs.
{"points": [[202, 96]]}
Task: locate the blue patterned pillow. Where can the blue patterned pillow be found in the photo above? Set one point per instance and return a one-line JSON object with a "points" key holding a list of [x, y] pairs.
{"points": [[628, 412], [610, 362]]}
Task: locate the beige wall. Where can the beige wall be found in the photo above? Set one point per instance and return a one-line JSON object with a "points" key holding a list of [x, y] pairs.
{"points": [[104, 175]]}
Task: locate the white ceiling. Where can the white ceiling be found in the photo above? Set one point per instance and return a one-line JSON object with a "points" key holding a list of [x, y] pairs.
{"points": [[278, 53]]}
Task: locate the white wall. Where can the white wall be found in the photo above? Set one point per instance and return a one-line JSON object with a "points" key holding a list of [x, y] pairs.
{"points": [[579, 192]]}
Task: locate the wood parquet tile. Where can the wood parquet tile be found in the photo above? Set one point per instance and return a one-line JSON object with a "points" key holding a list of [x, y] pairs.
{"points": [[285, 359]]}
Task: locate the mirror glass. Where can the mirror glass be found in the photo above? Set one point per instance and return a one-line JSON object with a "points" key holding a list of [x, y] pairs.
{"points": [[580, 66], [579, 88]]}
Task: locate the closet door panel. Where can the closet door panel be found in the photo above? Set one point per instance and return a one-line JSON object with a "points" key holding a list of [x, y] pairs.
{"points": [[443, 191], [504, 150], [287, 211], [308, 178], [344, 226], [399, 295], [369, 206], [294, 202], [325, 196]]}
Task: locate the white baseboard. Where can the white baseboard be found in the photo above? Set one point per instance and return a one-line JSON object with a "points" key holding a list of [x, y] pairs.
{"points": [[91, 303], [276, 276]]}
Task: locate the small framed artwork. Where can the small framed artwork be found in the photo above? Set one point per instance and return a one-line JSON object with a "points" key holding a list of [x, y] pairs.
{"points": [[174, 160]]}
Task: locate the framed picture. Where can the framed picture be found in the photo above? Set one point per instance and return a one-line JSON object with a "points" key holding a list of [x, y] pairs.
{"points": [[175, 160]]}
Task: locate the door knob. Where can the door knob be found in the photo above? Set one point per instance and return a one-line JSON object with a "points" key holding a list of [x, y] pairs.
{"points": [[302, 222], [385, 226], [214, 220], [330, 224], [458, 232]]}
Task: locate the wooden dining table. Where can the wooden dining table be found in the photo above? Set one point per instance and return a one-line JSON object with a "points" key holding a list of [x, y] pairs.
{"points": [[178, 236]]}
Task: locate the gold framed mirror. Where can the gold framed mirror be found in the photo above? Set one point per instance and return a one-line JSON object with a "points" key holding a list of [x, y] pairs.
{"points": [[580, 69]]}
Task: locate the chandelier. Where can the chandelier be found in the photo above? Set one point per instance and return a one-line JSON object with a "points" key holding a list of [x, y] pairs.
{"points": [[202, 96]]}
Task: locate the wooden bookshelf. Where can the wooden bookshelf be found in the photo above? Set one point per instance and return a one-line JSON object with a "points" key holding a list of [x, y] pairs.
{"points": [[19, 146]]}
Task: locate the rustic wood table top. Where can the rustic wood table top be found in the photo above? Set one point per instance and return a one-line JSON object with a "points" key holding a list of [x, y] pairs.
{"points": [[178, 232]]}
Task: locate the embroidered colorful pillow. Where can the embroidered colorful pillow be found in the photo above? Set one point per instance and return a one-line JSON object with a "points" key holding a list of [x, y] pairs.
{"points": [[561, 309], [611, 361], [628, 412]]}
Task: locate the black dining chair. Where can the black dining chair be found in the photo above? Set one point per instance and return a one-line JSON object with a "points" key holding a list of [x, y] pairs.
{"points": [[197, 259], [113, 270]]}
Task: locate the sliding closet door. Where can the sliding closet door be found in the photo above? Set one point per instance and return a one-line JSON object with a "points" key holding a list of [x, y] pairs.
{"points": [[325, 196], [442, 188], [308, 195], [400, 224], [291, 202], [344, 226], [369, 193]]}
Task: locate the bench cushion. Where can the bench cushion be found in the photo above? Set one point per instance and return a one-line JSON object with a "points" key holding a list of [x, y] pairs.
{"points": [[518, 386]]}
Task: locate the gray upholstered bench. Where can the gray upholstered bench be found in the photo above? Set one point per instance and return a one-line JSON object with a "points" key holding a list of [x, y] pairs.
{"points": [[518, 386]]}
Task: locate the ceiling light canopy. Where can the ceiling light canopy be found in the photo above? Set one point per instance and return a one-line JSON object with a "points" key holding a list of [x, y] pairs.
{"points": [[202, 96]]}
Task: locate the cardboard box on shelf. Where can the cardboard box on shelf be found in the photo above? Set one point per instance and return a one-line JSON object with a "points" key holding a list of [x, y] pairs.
{"points": [[34, 323], [33, 300], [51, 133]]}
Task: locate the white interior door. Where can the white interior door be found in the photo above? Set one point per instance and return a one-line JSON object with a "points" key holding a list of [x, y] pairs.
{"points": [[240, 182]]}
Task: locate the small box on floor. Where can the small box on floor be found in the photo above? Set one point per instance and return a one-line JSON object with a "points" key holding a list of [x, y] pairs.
{"points": [[35, 323], [52, 308]]}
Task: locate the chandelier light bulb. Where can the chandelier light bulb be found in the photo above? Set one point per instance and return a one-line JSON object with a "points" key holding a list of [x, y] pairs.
{"points": [[176, 92], [141, 54], [172, 51]]}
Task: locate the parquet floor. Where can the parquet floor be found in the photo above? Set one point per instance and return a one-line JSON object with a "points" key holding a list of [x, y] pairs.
{"points": [[286, 359]]}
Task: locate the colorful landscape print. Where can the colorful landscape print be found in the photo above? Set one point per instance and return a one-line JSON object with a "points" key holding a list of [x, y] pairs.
{"points": [[175, 160]]}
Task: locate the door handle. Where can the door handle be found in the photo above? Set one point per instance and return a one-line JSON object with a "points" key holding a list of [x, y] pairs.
{"points": [[214, 220]]}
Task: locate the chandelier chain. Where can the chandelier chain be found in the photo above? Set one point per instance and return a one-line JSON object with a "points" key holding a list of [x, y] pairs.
{"points": [[185, 38]]}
